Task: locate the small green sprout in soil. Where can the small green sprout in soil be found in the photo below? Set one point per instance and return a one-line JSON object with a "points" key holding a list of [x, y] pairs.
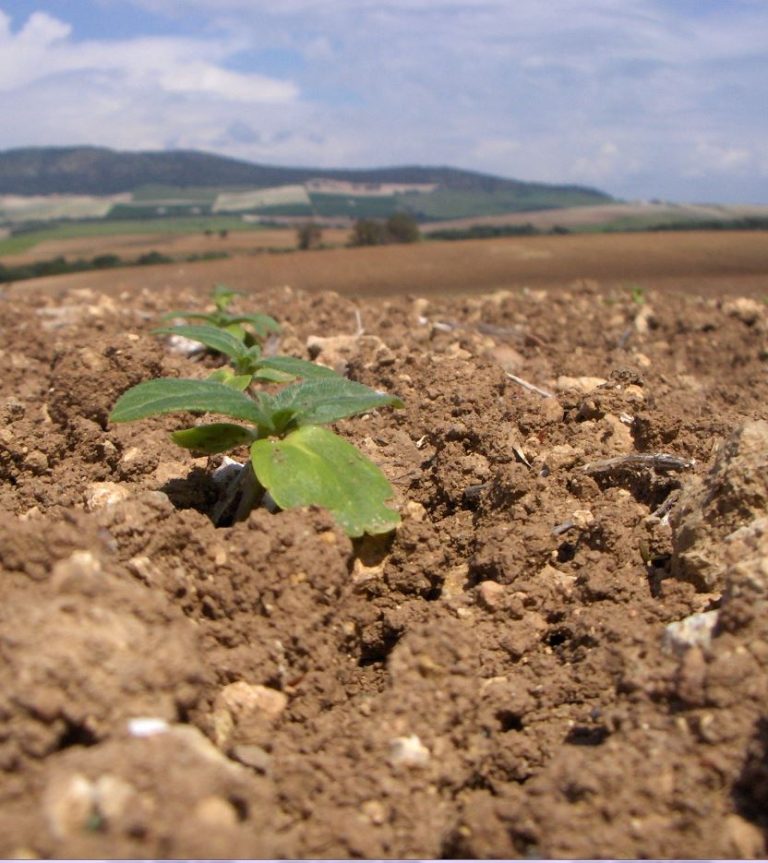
{"points": [[247, 361], [249, 329], [293, 457]]}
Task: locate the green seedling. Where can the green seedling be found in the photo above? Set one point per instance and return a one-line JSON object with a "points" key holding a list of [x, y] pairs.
{"points": [[249, 329], [293, 456], [637, 293], [247, 362]]}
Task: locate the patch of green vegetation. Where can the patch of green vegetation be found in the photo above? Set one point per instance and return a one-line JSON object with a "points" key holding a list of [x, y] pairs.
{"points": [[355, 206], [482, 232], [294, 460], [297, 210], [60, 265], [23, 239], [192, 194], [458, 204]]}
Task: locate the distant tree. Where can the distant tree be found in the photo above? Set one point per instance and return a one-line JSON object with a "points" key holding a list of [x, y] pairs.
{"points": [[309, 235], [402, 228], [368, 232], [398, 228]]}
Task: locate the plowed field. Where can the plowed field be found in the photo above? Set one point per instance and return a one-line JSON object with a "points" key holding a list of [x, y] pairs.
{"points": [[561, 652]]}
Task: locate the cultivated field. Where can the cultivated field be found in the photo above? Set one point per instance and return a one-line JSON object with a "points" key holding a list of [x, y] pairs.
{"points": [[560, 653], [712, 263]]}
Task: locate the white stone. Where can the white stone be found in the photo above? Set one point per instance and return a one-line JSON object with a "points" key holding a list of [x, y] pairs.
{"points": [[408, 752]]}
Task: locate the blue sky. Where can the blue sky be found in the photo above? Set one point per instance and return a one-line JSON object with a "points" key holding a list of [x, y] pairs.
{"points": [[642, 98]]}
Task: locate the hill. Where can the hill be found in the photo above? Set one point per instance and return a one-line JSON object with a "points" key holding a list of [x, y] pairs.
{"points": [[100, 171]]}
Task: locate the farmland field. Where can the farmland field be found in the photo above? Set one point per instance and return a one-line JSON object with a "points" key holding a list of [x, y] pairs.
{"points": [[705, 262], [561, 652]]}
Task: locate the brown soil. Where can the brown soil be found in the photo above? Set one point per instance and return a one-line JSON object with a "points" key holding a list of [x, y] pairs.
{"points": [[132, 246], [703, 262], [500, 678]]}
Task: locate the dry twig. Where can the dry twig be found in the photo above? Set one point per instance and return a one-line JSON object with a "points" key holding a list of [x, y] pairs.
{"points": [[660, 461], [532, 387]]}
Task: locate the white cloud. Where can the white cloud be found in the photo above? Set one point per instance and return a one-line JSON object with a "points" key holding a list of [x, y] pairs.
{"points": [[649, 98], [43, 49]]}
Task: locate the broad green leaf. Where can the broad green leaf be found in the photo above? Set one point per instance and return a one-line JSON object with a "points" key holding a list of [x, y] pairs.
{"points": [[171, 395], [214, 437], [262, 324], [228, 377], [189, 314], [273, 376], [312, 465], [212, 337], [294, 367], [327, 399]]}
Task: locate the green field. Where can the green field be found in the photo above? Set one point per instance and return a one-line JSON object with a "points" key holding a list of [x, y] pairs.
{"points": [[355, 206], [457, 204], [24, 240]]}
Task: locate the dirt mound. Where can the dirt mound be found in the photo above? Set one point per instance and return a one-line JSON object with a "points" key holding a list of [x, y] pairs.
{"points": [[562, 652]]}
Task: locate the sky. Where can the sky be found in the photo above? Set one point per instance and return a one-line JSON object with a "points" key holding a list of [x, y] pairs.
{"points": [[643, 99]]}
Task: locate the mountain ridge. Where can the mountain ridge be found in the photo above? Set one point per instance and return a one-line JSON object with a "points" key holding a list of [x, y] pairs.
{"points": [[91, 170]]}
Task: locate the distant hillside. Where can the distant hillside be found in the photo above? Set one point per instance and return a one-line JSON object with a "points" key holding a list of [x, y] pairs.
{"points": [[99, 171]]}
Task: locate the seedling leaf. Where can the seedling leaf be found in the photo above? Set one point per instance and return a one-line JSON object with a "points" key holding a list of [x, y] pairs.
{"points": [[228, 377], [214, 437], [262, 325], [327, 399], [212, 337], [169, 395], [293, 367], [312, 465]]}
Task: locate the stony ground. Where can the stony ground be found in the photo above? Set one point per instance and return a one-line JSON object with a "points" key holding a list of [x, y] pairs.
{"points": [[562, 652]]}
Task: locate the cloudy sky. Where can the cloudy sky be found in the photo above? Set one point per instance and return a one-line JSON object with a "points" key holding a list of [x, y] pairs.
{"points": [[641, 98]]}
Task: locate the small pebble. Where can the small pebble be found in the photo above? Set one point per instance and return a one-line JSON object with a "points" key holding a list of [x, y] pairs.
{"points": [[408, 752], [693, 631]]}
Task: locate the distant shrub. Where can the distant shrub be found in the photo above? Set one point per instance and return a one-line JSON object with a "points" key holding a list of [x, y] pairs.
{"points": [[309, 236], [402, 228], [153, 257], [398, 228]]}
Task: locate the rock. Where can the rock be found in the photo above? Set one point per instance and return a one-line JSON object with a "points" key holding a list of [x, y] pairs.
{"points": [[551, 410], [78, 563], [336, 351], [733, 494], [252, 756], [644, 320], [562, 456], [243, 712], [618, 434], [414, 511], [747, 310], [490, 594], [99, 495], [693, 631], [583, 384], [113, 796], [68, 804], [746, 839], [147, 726], [507, 357], [216, 813], [408, 752], [374, 811], [182, 345], [170, 470], [561, 582], [745, 578]]}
